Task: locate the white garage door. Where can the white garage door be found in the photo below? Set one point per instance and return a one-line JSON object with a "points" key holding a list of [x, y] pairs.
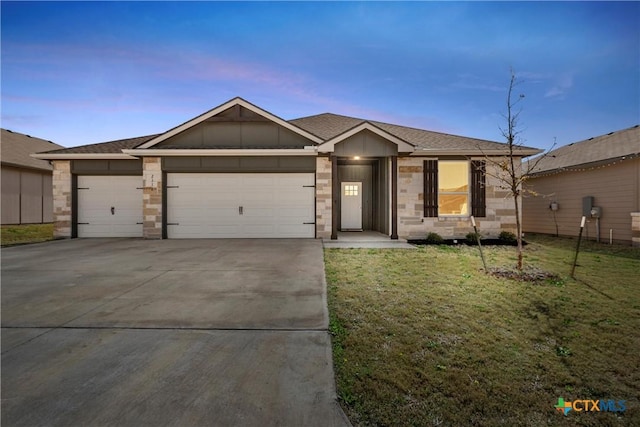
{"points": [[260, 205], [109, 206]]}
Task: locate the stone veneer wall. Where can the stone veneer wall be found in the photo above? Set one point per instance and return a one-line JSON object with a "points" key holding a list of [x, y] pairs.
{"points": [[635, 229], [62, 199], [152, 197], [323, 197], [500, 213]]}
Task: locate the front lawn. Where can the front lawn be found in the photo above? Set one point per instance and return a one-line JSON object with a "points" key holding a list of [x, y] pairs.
{"points": [[424, 337], [26, 233]]}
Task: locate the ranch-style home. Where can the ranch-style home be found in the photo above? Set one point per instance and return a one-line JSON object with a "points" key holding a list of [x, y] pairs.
{"points": [[238, 171]]}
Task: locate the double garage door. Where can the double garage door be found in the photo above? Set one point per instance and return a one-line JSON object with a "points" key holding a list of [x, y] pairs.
{"points": [[200, 205], [260, 205]]}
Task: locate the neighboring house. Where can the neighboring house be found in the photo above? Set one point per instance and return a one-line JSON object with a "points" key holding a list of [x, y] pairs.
{"points": [[239, 171], [601, 172], [26, 182]]}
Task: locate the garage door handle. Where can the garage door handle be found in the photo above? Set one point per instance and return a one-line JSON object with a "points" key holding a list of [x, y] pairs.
{"points": [[113, 210], [240, 210]]}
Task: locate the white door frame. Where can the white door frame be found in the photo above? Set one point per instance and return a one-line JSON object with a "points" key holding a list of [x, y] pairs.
{"points": [[351, 205]]}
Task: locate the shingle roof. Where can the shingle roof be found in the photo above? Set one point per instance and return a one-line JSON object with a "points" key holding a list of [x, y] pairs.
{"points": [[329, 125], [15, 149], [614, 145], [106, 147]]}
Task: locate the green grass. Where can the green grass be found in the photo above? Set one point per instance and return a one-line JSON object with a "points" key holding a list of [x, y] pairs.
{"points": [[425, 337], [29, 233]]}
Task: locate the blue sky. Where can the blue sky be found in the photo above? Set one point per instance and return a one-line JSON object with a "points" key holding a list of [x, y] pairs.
{"points": [[85, 72]]}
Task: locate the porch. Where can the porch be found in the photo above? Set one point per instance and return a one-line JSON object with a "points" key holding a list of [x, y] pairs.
{"points": [[366, 239]]}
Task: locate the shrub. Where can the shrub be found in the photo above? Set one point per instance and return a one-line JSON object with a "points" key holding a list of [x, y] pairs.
{"points": [[472, 238], [434, 239], [507, 237]]}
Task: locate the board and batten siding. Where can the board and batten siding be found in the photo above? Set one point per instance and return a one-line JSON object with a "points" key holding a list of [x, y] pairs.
{"points": [[27, 196], [615, 189]]}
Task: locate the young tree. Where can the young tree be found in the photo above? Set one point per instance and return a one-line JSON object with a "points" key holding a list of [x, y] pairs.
{"points": [[511, 172]]}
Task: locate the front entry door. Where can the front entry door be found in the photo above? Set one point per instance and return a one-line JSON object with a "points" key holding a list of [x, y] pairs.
{"points": [[351, 206]]}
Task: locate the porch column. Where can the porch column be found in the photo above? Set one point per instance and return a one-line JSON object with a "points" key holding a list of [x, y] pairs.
{"points": [[62, 199], [394, 197], [152, 197], [335, 193]]}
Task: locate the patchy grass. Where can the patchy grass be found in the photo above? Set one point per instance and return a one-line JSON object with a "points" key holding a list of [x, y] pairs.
{"points": [[425, 337], [29, 233]]}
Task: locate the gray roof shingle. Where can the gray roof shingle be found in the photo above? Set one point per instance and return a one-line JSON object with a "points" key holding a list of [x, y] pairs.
{"points": [[109, 147], [614, 145], [16, 148], [329, 125]]}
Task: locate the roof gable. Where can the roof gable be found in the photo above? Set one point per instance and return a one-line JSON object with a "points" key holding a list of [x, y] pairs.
{"points": [[330, 145], [236, 109]]}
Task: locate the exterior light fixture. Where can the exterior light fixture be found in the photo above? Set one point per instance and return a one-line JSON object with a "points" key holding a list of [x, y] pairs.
{"points": [[356, 157]]}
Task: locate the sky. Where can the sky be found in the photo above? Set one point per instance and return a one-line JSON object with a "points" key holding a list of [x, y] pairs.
{"points": [[83, 72]]}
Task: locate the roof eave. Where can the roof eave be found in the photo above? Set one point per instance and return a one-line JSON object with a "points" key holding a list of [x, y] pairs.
{"points": [[473, 152], [30, 167], [137, 152], [83, 156]]}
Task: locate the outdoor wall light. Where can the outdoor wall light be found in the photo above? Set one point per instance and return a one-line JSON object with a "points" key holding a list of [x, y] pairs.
{"points": [[356, 157]]}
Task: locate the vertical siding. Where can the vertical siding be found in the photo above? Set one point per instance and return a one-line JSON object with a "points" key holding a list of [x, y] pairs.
{"points": [[10, 196], [47, 198], [27, 196], [615, 189], [31, 197]]}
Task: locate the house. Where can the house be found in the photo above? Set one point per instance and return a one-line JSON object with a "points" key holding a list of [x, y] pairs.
{"points": [[598, 178], [26, 182], [239, 171]]}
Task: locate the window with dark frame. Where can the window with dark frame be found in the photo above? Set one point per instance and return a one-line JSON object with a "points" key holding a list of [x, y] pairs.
{"points": [[454, 188]]}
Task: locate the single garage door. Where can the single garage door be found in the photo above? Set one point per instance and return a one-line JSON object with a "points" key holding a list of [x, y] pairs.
{"points": [[109, 206], [238, 205]]}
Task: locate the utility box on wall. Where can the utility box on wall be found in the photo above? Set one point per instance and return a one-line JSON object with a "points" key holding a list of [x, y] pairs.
{"points": [[587, 205]]}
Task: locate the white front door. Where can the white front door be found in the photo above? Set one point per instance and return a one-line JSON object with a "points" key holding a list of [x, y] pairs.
{"points": [[109, 206], [351, 206]]}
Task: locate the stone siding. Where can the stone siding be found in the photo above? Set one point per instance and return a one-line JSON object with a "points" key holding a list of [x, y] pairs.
{"points": [[152, 197], [62, 199], [500, 212], [323, 198]]}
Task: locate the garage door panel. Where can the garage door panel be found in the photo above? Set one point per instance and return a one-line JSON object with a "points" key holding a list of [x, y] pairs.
{"points": [[240, 205], [97, 195]]}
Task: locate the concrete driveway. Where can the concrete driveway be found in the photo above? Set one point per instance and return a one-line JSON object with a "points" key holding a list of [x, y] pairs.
{"points": [[173, 332]]}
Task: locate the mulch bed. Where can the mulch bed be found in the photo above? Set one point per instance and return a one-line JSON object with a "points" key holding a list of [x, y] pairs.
{"points": [[528, 274], [453, 242]]}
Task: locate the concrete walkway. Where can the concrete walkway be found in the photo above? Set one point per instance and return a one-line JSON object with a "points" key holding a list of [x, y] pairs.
{"points": [[367, 240], [126, 332]]}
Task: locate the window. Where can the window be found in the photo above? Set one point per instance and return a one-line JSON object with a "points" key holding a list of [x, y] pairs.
{"points": [[454, 188], [350, 190]]}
